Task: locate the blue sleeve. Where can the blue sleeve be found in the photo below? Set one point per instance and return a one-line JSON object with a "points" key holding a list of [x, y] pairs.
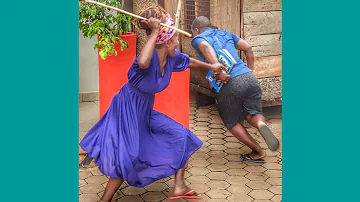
{"points": [[195, 43], [181, 61], [235, 38], [135, 66]]}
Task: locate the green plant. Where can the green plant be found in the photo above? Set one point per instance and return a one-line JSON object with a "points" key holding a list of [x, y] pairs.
{"points": [[105, 23]]}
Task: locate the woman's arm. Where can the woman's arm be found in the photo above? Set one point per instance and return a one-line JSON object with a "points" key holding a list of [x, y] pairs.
{"points": [[147, 51], [216, 67], [244, 46]]}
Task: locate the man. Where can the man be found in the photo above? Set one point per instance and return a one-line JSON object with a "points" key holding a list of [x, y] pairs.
{"points": [[240, 98]]}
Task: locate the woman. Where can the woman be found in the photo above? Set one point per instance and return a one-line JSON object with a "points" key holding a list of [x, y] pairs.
{"points": [[132, 142]]}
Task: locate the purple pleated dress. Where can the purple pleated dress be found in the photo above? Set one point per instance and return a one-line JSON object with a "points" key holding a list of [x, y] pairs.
{"points": [[134, 142]]}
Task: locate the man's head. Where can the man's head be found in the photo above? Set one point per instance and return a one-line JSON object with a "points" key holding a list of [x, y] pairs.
{"points": [[199, 24]]}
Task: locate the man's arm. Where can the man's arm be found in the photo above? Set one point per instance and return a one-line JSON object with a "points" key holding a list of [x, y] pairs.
{"points": [[244, 46], [208, 52], [210, 55]]}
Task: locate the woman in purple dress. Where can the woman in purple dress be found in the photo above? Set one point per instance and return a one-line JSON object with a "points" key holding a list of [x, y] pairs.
{"points": [[134, 143]]}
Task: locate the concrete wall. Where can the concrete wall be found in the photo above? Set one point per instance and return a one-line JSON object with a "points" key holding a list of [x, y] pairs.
{"points": [[88, 65]]}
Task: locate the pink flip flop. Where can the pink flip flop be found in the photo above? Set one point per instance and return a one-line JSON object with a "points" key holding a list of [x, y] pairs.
{"points": [[186, 195]]}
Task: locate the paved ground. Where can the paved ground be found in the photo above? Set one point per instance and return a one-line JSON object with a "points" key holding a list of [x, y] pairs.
{"points": [[215, 170]]}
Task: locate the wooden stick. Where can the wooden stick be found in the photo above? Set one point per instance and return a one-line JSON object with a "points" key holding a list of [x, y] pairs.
{"points": [[136, 16]]}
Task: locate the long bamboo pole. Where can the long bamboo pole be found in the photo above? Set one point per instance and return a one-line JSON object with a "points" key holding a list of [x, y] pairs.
{"points": [[136, 16]]}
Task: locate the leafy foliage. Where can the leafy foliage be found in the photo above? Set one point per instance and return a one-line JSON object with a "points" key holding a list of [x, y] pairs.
{"points": [[106, 24]]}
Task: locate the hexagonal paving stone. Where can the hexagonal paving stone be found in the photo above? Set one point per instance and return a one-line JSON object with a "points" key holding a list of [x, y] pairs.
{"points": [[204, 198], [199, 128], [233, 145], [88, 197], [261, 194], [202, 115], [216, 121], [216, 136], [217, 176], [197, 179], [231, 139], [84, 174], [96, 172], [272, 166], [256, 200], [168, 192], [236, 172], [133, 191], [99, 179], [258, 185], [203, 150], [217, 147], [216, 141], [237, 180], [236, 164], [156, 187], [192, 117], [276, 198], [92, 188], [216, 130], [276, 190], [82, 183], [200, 188], [203, 110], [219, 154], [153, 196], [199, 163], [214, 125], [201, 133], [216, 160], [163, 180], [239, 189], [204, 138], [198, 171], [218, 194], [202, 119], [273, 173], [170, 183], [200, 156], [274, 181], [272, 159], [206, 144], [257, 176], [118, 194], [187, 174], [240, 197], [234, 158], [201, 123], [218, 184], [255, 169], [217, 167], [131, 199]]}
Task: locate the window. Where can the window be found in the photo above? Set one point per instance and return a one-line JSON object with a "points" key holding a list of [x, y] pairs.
{"points": [[191, 9]]}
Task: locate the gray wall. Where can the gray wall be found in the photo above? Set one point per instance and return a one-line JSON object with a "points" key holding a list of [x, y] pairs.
{"points": [[88, 65]]}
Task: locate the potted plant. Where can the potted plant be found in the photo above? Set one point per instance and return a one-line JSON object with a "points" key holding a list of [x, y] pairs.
{"points": [[116, 45]]}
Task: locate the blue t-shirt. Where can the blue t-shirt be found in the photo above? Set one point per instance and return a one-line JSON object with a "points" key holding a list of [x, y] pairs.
{"points": [[225, 40]]}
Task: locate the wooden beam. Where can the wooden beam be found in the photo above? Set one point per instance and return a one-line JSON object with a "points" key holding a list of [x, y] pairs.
{"points": [[266, 67], [262, 23], [262, 5]]}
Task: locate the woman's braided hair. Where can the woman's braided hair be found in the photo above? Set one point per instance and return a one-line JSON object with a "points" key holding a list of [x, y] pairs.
{"points": [[153, 11]]}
